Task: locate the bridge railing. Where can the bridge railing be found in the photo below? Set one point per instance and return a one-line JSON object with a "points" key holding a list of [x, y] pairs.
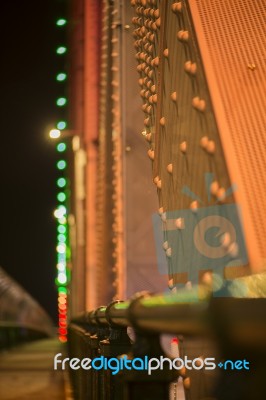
{"points": [[236, 327]]}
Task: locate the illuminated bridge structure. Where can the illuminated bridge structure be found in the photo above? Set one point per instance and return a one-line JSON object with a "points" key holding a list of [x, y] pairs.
{"points": [[163, 193]]}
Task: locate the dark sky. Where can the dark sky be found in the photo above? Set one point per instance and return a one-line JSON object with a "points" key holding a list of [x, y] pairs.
{"points": [[27, 158]]}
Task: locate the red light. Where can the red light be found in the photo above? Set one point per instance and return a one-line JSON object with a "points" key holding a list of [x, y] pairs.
{"points": [[62, 339], [62, 331], [62, 324]]}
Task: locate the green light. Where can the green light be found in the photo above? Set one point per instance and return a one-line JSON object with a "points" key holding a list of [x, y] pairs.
{"points": [[62, 289], [61, 147], [61, 50], [61, 164], [61, 229], [61, 197], [61, 125], [61, 182], [61, 238], [61, 101], [61, 22], [61, 77]]}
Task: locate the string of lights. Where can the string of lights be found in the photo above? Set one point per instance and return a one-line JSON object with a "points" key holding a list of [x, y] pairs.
{"points": [[61, 212]]}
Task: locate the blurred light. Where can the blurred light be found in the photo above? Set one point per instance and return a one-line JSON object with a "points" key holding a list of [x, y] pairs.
{"points": [[61, 50], [61, 22], [62, 307], [61, 77], [61, 238], [61, 182], [61, 147], [62, 289], [62, 339], [61, 164], [61, 300], [61, 248], [61, 101], [60, 212], [62, 278], [61, 196], [61, 229], [62, 221], [61, 267], [62, 331], [54, 133], [61, 258], [61, 125]]}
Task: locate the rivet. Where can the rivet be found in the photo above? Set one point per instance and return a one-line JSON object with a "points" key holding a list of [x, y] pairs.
{"points": [[214, 187], [148, 137], [204, 142], [183, 147], [233, 249], [190, 67], [147, 121], [162, 121], [154, 98], [210, 148], [166, 53], [165, 245], [173, 96], [170, 168], [156, 13], [179, 223], [183, 35], [151, 154], [156, 179], [168, 252], [198, 103], [156, 61], [160, 211], [183, 371], [163, 217], [158, 22], [225, 240], [177, 7], [220, 194], [159, 184], [186, 383], [194, 206]]}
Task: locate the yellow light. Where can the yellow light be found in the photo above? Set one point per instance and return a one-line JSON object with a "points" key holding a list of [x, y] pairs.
{"points": [[54, 133]]}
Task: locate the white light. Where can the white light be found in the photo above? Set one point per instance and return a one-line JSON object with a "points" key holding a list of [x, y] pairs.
{"points": [[61, 267], [60, 212], [54, 133], [62, 278], [61, 248]]}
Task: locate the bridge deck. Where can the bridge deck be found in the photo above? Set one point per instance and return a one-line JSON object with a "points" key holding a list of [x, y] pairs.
{"points": [[26, 373]]}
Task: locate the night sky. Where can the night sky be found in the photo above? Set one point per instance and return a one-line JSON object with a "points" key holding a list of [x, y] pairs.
{"points": [[27, 157]]}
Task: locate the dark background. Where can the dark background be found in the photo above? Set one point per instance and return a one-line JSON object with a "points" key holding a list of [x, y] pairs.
{"points": [[28, 67]]}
